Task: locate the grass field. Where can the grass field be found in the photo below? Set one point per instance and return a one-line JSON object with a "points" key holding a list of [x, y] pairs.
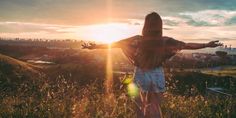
{"points": [[77, 90], [224, 71]]}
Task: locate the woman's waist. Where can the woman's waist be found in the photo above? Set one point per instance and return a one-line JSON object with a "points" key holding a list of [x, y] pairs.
{"points": [[158, 69]]}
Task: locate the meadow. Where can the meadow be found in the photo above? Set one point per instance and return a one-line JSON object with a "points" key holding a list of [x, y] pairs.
{"points": [[75, 87], [224, 71]]}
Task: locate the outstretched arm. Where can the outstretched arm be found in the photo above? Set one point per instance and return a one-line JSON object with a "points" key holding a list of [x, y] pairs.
{"points": [[192, 46], [117, 44], [94, 46]]}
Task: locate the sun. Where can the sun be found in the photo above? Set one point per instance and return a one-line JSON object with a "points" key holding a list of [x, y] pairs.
{"points": [[107, 33]]}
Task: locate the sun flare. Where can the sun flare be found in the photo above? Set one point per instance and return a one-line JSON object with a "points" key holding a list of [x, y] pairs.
{"points": [[108, 32], [109, 71]]}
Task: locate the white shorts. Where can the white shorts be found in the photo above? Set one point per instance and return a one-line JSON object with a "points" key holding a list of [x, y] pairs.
{"points": [[151, 80]]}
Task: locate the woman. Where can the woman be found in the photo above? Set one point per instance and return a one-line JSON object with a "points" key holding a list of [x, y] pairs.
{"points": [[147, 53]]}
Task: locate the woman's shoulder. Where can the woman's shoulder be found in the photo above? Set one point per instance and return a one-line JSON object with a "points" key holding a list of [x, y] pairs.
{"points": [[167, 38], [131, 40], [171, 41], [135, 38]]}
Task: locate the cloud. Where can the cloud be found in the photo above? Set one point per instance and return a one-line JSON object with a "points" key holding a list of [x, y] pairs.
{"points": [[34, 30], [203, 34], [18, 27], [173, 21], [226, 39], [231, 21], [209, 17], [135, 21], [79, 12]]}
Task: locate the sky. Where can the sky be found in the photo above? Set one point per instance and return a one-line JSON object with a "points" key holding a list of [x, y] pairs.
{"points": [[112, 20]]}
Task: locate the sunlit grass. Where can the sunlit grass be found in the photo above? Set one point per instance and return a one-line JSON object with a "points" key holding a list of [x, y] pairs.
{"points": [[230, 71], [63, 98]]}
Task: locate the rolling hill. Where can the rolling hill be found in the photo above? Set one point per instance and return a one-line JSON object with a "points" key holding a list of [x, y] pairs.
{"points": [[12, 68]]}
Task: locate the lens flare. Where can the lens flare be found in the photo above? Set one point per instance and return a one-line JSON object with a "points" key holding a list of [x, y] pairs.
{"points": [[109, 72], [133, 90]]}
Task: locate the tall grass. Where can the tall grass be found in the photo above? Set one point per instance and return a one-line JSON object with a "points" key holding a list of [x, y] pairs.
{"points": [[65, 98]]}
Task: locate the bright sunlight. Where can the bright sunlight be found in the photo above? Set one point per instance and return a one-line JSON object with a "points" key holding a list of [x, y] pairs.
{"points": [[108, 32]]}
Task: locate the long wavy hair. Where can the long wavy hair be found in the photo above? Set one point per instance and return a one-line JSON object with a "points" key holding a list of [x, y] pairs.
{"points": [[152, 25]]}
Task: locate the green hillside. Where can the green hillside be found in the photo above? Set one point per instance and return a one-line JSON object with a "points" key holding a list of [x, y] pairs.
{"points": [[14, 74], [13, 68]]}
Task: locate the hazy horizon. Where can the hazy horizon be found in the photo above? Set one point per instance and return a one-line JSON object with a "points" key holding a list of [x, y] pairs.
{"points": [[112, 20]]}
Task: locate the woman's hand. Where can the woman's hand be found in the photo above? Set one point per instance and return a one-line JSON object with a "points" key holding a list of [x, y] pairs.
{"points": [[88, 46], [213, 44]]}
